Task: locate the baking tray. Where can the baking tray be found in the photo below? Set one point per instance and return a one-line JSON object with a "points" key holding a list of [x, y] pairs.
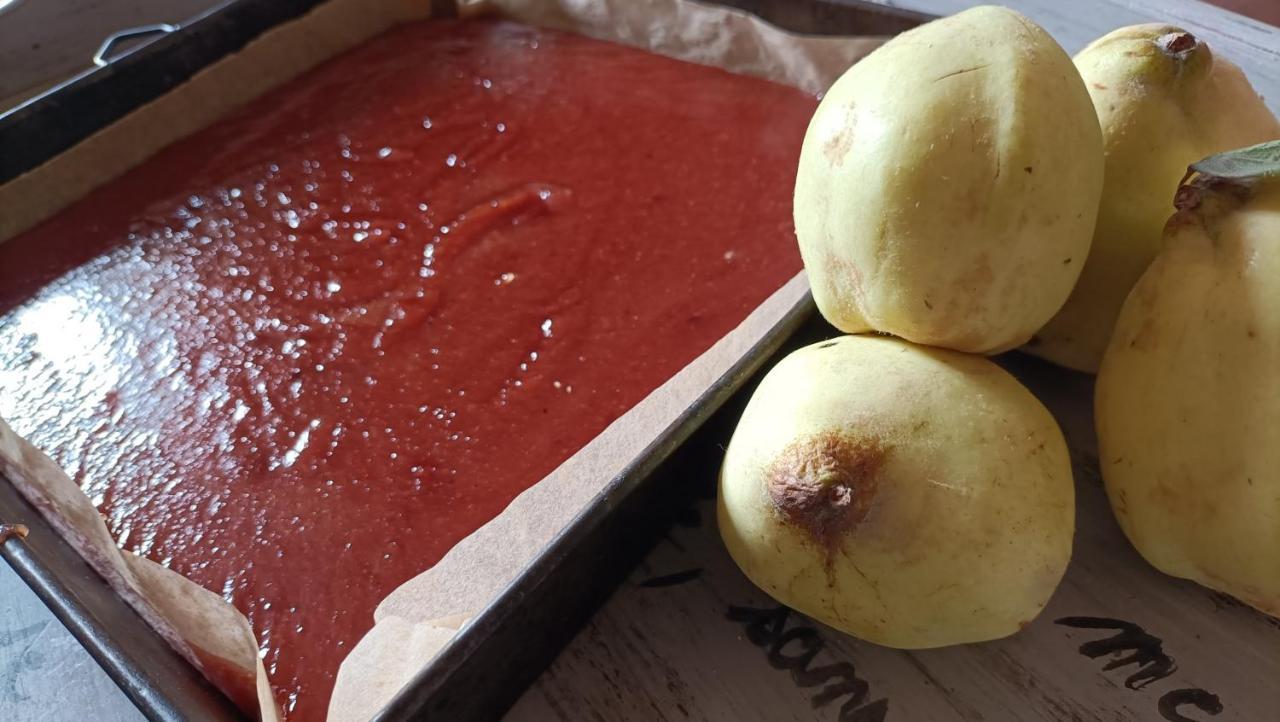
{"points": [[486, 666]]}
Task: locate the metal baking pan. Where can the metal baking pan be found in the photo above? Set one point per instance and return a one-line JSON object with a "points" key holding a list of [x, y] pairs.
{"points": [[486, 666]]}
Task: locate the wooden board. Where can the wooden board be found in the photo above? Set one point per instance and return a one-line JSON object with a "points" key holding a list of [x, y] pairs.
{"points": [[688, 637]]}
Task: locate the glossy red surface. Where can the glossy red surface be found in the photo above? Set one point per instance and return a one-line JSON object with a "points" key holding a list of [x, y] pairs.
{"points": [[299, 355]]}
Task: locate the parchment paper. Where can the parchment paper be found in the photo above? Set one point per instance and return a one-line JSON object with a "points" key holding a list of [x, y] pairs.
{"points": [[415, 621]]}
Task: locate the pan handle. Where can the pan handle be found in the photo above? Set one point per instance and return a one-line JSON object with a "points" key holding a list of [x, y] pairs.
{"points": [[12, 531], [104, 54]]}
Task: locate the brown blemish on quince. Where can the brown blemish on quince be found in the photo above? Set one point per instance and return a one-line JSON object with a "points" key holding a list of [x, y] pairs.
{"points": [[823, 485], [838, 146]]}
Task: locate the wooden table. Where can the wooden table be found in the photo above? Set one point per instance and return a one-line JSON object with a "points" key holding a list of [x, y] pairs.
{"points": [[688, 637]]}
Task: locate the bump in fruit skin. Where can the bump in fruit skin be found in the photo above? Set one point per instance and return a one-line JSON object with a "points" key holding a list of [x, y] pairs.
{"points": [[911, 496], [1164, 101], [948, 185], [1187, 402]]}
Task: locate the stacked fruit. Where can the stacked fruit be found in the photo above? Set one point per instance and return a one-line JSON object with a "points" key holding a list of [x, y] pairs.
{"points": [[967, 189]]}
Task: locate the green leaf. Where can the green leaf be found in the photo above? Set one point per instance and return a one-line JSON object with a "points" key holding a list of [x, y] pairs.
{"points": [[1256, 161]]}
